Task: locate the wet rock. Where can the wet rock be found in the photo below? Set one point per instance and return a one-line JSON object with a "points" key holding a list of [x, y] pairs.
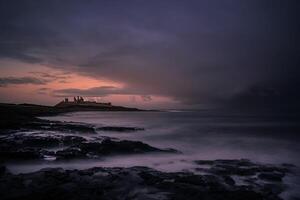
{"points": [[60, 126], [188, 178], [39, 140], [23, 153], [271, 176], [288, 165], [236, 162], [204, 162], [108, 146], [2, 170], [36, 145], [273, 188], [232, 170], [189, 186], [33, 141], [241, 167], [50, 141], [251, 180], [22, 146], [228, 180], [119, 129], [70, 153], [129, 183], [72, 140]]}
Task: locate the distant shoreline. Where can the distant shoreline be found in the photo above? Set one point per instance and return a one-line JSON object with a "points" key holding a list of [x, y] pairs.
{"points": [[15, 115]]}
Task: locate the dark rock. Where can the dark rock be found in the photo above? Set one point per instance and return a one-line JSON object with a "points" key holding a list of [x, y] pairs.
{"points": [[273, 188], [73, 128], [23, 153], [33, 141], [190, 179], [21, 146], [119, 129], [205, 162], [23, 140], [236, 162], [108, 146], [72, 140], [2, 170], [228, 180], [271, 176], [50, 141], [232, 170], [251, 180], [32, 146], [129, 183], [60, 126], [271, 168], [288, 165], [240, 167], [70, 153]]}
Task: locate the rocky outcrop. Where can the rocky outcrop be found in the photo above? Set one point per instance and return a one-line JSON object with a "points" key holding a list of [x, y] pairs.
{"points": [[36, 146], [66, 127], [137, 183], [119, 129], [108, 147], [242, 167]]}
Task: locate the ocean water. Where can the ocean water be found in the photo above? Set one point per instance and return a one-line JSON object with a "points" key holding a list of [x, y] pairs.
{"points": [[206, 134], [198, 135]]}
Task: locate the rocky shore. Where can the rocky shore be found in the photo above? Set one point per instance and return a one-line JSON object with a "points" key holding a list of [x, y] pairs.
{"points": [[222, 180], [29, 138], [57, 140], [210, 179]]}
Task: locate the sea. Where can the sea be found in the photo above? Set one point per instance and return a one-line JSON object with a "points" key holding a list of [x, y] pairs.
{"points": [[197, 134]]}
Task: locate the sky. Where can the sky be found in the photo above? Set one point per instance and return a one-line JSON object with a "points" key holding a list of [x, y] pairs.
{"points": [[151, 54]]}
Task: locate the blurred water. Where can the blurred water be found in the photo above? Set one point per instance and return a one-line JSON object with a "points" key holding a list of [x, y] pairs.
{"points": [[197, 134], [206, 134]]}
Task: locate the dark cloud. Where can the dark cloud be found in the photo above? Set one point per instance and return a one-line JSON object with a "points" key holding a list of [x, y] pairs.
{"points": [[5, 81], [37, 78], [284, 94], [196, 52], [44, 91], [50, 77]]}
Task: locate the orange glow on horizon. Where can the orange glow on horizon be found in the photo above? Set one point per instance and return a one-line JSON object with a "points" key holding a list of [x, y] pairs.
{"points": [[58, 80]]}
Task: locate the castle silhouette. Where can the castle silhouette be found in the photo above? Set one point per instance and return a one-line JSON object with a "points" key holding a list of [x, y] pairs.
{"points": [[79, 101]]}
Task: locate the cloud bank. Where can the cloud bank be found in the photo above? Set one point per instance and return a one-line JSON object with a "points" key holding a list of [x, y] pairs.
{"points": [[5, 81], [195, 52]]}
